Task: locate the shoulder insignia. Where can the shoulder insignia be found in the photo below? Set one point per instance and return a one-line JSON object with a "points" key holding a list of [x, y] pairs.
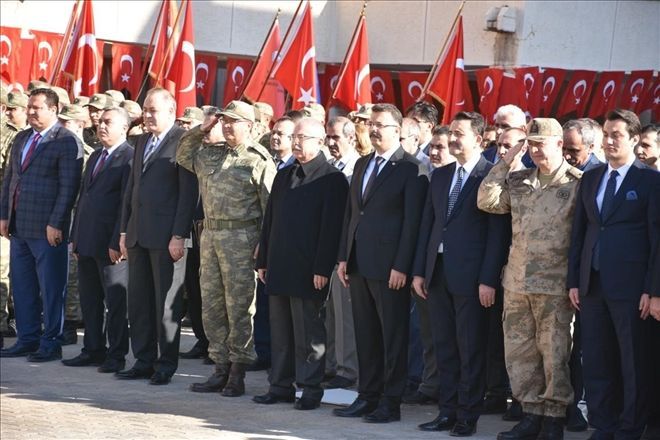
{"points": [[260, 150]]}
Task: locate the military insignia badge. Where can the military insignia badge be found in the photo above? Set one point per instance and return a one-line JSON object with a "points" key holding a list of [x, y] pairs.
{"points": [[563, 194]]}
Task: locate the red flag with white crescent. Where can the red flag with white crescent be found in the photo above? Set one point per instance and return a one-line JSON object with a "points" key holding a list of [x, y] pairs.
{"points": [[651, 100], [126, 68], [205, 73], [638, 82], [382, 87], [606, 93], [412, 88], [552, 81], [328, 82], [296, 69], [10, 54], [353, 88], [531, 79], [577, 93], [182, 72], [489, 82], [255, 87], [512, 91], [237, 71], [163, 53], [46, 47]]}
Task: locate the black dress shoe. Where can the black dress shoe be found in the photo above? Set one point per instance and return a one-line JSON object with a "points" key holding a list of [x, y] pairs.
{"points": [[134, 373], [306, 403], [514, 413], [440, 423], [383, 414], [160, 378], [271, 398], [528, 429], [418, 398], [358, 408], [197, 352], [83, 360], [18, 350], [464, 428], [111, 366], [339, 382], [45, 356], [494, 405]]}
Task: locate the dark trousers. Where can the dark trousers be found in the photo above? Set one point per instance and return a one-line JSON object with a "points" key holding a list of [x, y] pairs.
{"points": [[155, 307], [102, 285], [381, 317], [422, 367], [262, 325], [652, 341], [193, 305], [459, 332], [298, 345], [575, 362], [497, 379], [38, 280], [613, 345]]}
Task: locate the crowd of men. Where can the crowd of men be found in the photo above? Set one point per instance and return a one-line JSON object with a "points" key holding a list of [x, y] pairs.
{"points": [[460, 265]]}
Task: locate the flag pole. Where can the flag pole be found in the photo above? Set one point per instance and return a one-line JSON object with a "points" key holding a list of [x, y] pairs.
{"points": [[66, 41], [263, 46], [150, 47], [442, 51], [279, 50], [342, 71]]}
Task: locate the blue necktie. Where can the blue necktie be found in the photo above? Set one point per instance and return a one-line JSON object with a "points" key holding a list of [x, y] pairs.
{"points": [[372, 177], [455, 191], [608, 199]]}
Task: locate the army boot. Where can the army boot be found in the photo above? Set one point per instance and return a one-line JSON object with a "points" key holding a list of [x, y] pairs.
{"points": [[69, 334], [528, 429], [552, 429], [215, 383], [235, 385]]}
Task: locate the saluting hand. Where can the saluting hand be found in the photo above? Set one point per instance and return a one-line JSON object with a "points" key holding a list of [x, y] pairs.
{"points": [[513, 157]]}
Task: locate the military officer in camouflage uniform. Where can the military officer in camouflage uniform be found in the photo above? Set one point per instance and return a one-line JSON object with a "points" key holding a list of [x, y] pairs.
{"points": [[537, 309], [191, 118], [97, 103], [235, 178]]}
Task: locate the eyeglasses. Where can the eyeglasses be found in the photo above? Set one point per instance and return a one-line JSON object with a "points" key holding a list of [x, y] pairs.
{"points": [[379, 126], [303, 138], [403, 138]]}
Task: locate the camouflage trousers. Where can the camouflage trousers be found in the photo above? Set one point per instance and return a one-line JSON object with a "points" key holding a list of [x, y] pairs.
{"points": [[537, 346], [4, 283], [72, 310], [228, 283]]}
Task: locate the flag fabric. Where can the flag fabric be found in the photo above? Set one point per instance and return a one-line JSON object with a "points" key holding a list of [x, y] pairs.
{"points": [[46, 47], [10, 54], [296, 70], [182, 71], [449, 84], [638, 82], [258, 81], [552, 81], [412, 88], [237, 71], [651, 100], [531, 79], [163, 53], [83, 59], [205, 74], [382, 87], [488, 82], [327, 83], [512, 91], [576, 96], [126, 69], [606, 93], [354, 84]]}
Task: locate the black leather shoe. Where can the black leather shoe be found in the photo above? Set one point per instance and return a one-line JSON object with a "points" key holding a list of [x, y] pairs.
{"points": [[45, 356], [339, 382], [306, 403], [271, 398], [418, 398], [358, 408], [134, 373], [552, 429], [464, 428], [494, 405], [83, 360], [160, 378], [18, 350], [514, 413], [111, 366], [440, 423], [383, 414], [197, 352], [528, 429], [575, 421]]}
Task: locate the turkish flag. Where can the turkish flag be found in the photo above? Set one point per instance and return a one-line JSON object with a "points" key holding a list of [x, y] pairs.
{"points": [[205, 73], [638, 82], [237, 71], [328, 82], [488, 82], [449, 84], [163, 53], [46, 47], [256, 84], [552, 81], [512, 91], [412, 86], [182, 72], [126, 69], [606, 93], [382, 87], [577, 94], [651, 100], [10, 53], [296, 70], [83, 59], [531, 79], [354, 85]]}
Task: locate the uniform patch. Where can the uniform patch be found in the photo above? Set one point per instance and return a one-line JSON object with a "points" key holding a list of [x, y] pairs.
{"points": [[563, 194]]}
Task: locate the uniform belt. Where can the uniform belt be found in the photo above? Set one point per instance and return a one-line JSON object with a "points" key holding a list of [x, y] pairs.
{"points": [[217, 224]]}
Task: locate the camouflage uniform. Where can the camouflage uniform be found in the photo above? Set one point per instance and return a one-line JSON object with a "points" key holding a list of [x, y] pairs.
{"points": [[234, 184], [537, 310]]}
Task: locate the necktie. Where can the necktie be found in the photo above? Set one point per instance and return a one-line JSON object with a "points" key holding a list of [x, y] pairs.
{"points": [[30, 151], [100, 163], [608, 198], [279, 163], [150, 149], [455, 191], [372, 177]]}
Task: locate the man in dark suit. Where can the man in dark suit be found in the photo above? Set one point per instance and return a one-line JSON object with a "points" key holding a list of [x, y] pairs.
{"points": [[306, 208], [459, 258], [376, 250], [38, 191], [156, 220], [102, 274], [615, 231]]}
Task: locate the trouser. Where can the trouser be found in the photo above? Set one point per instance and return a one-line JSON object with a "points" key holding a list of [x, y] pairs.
{"points": [[262, 325], [429, 384], [4, 284], [341, 355], [72, 308], [194, 294], [497, 380]]}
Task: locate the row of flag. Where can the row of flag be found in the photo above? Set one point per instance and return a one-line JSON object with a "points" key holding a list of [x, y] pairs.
{"points": [[290, 64]]}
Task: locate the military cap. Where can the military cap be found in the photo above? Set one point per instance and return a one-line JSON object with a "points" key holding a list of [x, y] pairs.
{"points": [[72, 112], [81, 100], [540, 129], [116, 96], [36, 84], [99, 101], [264, 108], [16, 99], [210, 110], [314, 110], [192, 114], [239, 110], [131, 106], [62, 94], [3, 95], [364, 112]]}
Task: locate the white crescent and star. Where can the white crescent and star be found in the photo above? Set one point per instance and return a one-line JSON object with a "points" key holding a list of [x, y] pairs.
{"points": [[552, 83], [609, 86], [43, 65], [378, 80], [634, 96], [204, 67], [310, 54], [90, 40], [188, 49], [528, 78], [125, 77], [488, 87], [582, 84], [359, 77], [413, 85], [5, 58]]}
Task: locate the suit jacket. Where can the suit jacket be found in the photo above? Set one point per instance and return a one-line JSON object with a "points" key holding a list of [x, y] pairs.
{"points": [[301, 229], [380, 232], [490, 154], [98, 214], [160, 195], [592, 163], [627, 235], [48, 186], [475, 243]]}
